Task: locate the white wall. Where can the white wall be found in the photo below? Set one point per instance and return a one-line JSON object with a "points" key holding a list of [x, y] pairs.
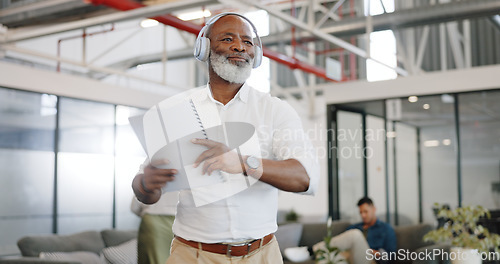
{"points": [[473, 79], [43, 81], [311, 208]]}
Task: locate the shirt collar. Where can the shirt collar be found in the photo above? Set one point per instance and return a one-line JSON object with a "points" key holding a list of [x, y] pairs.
{"points": [[242, 93]]}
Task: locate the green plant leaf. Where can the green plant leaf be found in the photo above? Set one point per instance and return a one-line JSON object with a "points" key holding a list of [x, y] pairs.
{"points": [[462, 229]]}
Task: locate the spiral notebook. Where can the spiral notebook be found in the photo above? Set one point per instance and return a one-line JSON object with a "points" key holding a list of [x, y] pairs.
{"points": [[165, 132]]}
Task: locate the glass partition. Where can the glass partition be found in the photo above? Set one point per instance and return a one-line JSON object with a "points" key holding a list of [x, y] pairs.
{"points": [[435, 118], [27, 129], [406, 176], [437, 149], [480, 141], [350, 162], [375, 136], [129, 156], [91, 188], [85, 166]]}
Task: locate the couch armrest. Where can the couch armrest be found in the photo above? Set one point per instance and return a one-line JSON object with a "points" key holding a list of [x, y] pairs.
{"points": [[33, 260]]}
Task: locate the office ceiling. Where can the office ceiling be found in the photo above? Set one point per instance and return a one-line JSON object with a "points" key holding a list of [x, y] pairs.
{"points": [[28, 12], [338, 31]]}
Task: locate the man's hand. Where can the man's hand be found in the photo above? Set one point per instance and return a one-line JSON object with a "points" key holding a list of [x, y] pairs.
{"points": [[147, 186], [155, 178], [218, 157]]}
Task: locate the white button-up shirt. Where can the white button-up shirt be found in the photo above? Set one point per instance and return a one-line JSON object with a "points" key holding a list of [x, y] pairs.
{"points": [[251, 213]]}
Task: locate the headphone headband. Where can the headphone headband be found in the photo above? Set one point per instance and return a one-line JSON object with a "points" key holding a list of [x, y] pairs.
{"points": [[202, 44]]}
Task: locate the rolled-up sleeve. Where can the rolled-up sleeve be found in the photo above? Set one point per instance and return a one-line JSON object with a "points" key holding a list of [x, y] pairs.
{"points": [[291, 142]]}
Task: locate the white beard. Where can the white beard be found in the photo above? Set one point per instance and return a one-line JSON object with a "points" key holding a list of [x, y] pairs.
{"points": [[228, 71]]}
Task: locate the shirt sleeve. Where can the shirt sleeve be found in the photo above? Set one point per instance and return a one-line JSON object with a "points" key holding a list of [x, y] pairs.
{"points": [[291, 142], [354, 226], [390, 244]]}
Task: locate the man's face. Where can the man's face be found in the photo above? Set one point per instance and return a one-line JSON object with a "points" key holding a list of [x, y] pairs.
{"points": [[232, 49], [367, 213]]}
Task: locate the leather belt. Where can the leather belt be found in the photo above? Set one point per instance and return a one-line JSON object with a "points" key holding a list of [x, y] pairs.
{"points": [[228, 249]]}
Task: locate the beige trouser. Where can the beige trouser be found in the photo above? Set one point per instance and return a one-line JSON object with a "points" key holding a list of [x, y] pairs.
{"points": [[352, 241], [181, 253]]}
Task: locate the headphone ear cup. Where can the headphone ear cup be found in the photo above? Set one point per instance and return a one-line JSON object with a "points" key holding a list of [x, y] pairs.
{"points": [[257, 57], [196, 50], [202, 48]]}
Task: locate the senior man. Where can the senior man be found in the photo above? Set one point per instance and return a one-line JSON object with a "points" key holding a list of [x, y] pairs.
{"points": [[238, 228]]}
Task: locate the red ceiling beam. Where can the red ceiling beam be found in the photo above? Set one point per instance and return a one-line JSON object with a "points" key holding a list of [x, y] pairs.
{"points": [[193, 28]]}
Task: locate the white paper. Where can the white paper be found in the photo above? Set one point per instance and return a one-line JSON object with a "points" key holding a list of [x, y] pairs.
{"points": [[165, 132]]}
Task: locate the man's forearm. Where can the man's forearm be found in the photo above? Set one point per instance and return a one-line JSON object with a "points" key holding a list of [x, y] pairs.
{"points": [[287, 175], [146, 197]]}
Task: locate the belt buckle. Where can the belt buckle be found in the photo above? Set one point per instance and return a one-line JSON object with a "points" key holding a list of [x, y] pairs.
{"points": [[247, 244]]}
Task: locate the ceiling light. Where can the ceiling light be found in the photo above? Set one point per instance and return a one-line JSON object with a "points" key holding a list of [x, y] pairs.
{"points": [[446, 142], [147, 23], [412, 99], [194, 15], [426, 106], [447, 99], [431, 143]]}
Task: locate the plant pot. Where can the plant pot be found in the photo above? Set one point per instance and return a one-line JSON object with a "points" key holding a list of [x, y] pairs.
{"points": [[459, 255]]}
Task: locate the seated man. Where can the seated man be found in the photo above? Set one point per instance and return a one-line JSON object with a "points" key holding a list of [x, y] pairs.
{"points": [[366, 239], [380, 235]]}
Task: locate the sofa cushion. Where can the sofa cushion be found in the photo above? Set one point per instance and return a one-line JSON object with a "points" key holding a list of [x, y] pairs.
{"points": [[83, 257], [33, 260], [316, 232], [288, 235], [125, 253], [410, 237], [113, 237], [32, 246]]}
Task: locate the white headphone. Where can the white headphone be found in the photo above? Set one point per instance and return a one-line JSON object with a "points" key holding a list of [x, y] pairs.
{"points": [[202, 44]]}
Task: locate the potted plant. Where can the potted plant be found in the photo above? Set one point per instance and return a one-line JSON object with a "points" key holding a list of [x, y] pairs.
{"points": [[328, 254], [292, 216], [464, 234]]}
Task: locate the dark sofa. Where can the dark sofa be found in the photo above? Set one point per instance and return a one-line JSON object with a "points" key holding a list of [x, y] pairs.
{"points": [[89, 241], [408, 237]]}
